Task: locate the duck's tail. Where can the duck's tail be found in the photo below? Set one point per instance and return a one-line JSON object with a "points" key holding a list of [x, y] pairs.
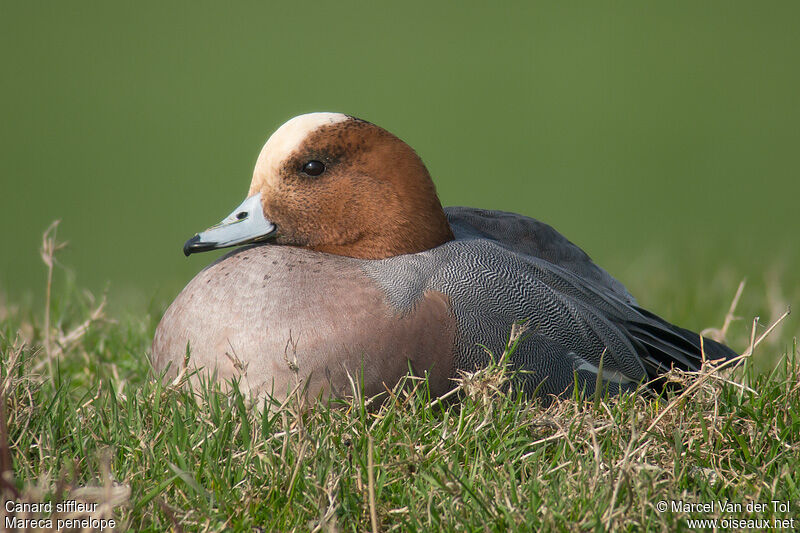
{"points": [[666, 345]]}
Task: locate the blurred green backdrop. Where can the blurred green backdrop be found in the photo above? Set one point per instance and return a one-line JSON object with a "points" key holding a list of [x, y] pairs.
{"points": [[629, 126]]}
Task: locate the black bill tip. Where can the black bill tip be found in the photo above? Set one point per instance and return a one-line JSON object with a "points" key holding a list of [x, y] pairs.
{"points": [[195, 245]]}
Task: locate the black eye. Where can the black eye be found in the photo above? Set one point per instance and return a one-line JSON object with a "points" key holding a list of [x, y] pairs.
{"points": [[314, 168]]}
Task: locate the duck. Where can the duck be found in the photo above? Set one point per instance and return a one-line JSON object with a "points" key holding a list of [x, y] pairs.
{"points": [[347, 269]]}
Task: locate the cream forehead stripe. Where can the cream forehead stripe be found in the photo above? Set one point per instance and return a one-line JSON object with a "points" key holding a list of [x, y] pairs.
{"points": [[286, 140]]}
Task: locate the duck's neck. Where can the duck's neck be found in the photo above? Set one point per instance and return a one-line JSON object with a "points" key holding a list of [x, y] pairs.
{"points": [[405, 236]]}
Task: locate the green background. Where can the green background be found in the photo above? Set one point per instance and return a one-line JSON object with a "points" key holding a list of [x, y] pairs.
{"points": [[666, 130]]}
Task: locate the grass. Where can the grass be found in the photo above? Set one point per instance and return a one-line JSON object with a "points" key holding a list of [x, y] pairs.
{"points": [[86, 420]]}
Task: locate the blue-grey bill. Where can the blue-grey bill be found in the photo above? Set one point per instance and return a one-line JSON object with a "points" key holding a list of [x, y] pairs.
{"points": [[246, 224]]}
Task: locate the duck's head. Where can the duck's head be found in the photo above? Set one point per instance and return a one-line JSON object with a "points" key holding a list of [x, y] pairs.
{"points": [[337, 184]]}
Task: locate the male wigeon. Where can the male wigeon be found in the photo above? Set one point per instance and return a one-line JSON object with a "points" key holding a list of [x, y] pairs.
{"points": [[356, 271]]}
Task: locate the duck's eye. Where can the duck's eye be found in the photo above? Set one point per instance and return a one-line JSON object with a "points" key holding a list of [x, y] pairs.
{"points": [[314, 168]]}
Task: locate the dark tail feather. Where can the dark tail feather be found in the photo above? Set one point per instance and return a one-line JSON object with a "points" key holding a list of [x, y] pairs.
{"points": [[667, 345], [713, 349]]}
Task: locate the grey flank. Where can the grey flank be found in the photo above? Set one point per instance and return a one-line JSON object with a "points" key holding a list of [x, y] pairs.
{"points": [[504, 268]]}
